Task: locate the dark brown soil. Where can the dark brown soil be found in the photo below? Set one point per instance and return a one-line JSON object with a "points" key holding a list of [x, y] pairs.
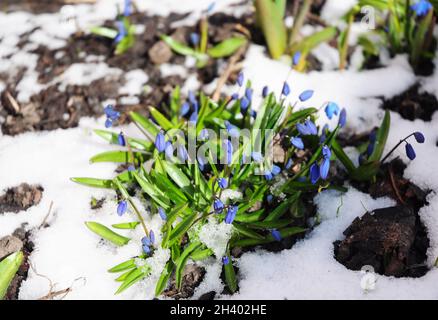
{"points": [[27, 248], [391, 240], [192, 277], [20, 198], [412, 104], [34, 6]]}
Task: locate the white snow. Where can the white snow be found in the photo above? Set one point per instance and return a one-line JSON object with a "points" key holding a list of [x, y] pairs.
{"points": [[69, 255]]}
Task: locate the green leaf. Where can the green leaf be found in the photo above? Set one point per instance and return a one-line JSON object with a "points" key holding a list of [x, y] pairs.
{"points": [[144, 123], [93, 182], [152, 191], [381, 138], [315, 39], [8, 268], [182, 260], [281, 209], [107, 233], [129, 264], [182, 49], [104, 32], [112, 137], [226, 47], [115, 156], [164, 278], [180, 229], [126, 225], [133, 277], [247, 232], [343, 157], [230, 276], [177, 175], [201, 254], [161, 119], [288, 232]]}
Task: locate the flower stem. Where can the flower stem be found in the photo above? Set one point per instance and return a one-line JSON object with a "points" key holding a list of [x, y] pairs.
{"points": [[395, 147]]}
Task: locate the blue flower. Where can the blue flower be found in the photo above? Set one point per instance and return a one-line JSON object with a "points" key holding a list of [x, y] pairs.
{"points": [[286, 89], [160, 142], [297, 142], [181, 152], [168, 150], [373, 136], [201, 162], [343, 118], [131, 168], [324, 168], [314, 173], [296, 58], [185, 108], [289, 164], [127, 10], [307, 129], [122, 207], [419, 137], [121, 139], [421, 8], [194, 117], [121, 32], [234, 96], [111, 115], [192, 98], [231, 214], [276, 235], [370, 148], [244, 104], [410, 152], [194, 38], [203, 135], [331, 109], [265, 91], [232, 130], [326, 152], [108, 123], [269, 174], [218, 206], [257, 156], [248, 93], [306, 95], [222, 183], [225, 260], [148, 242], [253, 113], [269, 198], [240, 79], [228, 151], [162, 214]]}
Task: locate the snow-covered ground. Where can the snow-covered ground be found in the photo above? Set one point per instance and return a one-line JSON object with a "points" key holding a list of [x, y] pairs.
{"points": [[69, 255]]}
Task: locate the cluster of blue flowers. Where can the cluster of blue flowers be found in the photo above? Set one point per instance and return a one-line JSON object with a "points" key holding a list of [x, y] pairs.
{"points": [[162, 145], [191, 104], [111, 115], [148, 242], [421, 8]]}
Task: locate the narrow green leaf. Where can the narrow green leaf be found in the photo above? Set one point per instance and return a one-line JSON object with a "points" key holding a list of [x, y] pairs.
{"points": [[226, 47], [129, 264], [245, 231], [381, 138], [144, 123], [161, 119], [182, 227], [93, 182], [230, 276], [126, 225], [135, 276], [164, 278], [107, 233], [8, 268], [182, 260], [115, 156], [104, 32]]}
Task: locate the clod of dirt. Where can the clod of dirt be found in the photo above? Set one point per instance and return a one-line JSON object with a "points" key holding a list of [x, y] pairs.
{"points": [[192, 277], [412, 104], [20, 198], [208, 296], [8, 245], [160, 53], [392, 240]]}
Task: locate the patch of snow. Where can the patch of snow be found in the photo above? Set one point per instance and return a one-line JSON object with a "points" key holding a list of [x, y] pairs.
{"points": [[216, 236], [135, 80]]}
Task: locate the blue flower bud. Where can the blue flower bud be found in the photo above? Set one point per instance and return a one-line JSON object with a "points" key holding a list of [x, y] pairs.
{"points": [[370, 148], [314, 173], [410, 152], [326, 152], [257, 156], [108, 123], [248, 93], [240, 79], [169, 150], [203, 135], [275, 170], [192, 98], [225, 260], [194, 117], [231, 214], [419, 137], [307, 129], [325, 168], [122, 207], [268, 175], [343, 118], [228, 151], [185, 108], [331, 109], [306, 95], [297, 142], [201, 162], [276, 235], [265, 91], [286, 89], [253, 113], [222, 183], [122, 33], [194, 38], [289, 164], [218, 206], [234, 96], [127, 10], [162, 214], [269, 198], [121, 139], [232, 130], [131, 168], [296, 58], [244, 104], [182, 152], [160, 142]]}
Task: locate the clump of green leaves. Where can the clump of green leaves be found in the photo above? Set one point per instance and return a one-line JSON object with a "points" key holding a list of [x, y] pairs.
{"points": [[403, 26], [280, 40], [199, 45], [189, 191]]}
